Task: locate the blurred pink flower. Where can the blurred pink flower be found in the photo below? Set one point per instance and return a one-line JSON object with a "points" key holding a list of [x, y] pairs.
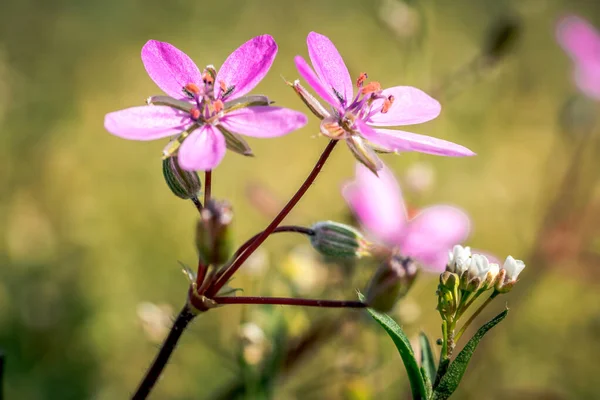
{"points": [[202, 105], [353, 117], [379, 207], [582, 42]]}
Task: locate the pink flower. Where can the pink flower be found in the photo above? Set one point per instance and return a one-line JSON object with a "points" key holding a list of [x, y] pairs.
{"points": [[582, 42], [206, 110], [427, 237], [357, 117]]}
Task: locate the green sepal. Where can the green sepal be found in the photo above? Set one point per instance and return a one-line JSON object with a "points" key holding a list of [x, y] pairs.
{"points": [[417, 382], [457, 368], [235, 142]]}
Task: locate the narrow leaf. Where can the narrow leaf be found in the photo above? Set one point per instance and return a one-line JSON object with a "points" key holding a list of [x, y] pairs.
{"points": [[456, 370], [427, 361], [417, 384]]}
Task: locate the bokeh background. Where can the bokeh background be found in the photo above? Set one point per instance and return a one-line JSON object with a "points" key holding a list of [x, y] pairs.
{"points": [[91, 236]]}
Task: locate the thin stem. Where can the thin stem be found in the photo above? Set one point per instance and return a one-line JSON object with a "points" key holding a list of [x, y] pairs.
{"points": [[286, 301], [214, 289], [475, 314], [468, 304], [197, 203], [279, 229], [207, 185], [2, 366], [159, 363]]}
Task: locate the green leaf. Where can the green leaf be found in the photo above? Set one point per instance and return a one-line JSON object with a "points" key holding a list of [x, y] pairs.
{"points": [[427, 361], [417, 384], [456, 370]]}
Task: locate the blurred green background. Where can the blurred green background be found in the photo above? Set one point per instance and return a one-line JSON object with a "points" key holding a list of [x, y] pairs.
{"points": [[91, 236]]}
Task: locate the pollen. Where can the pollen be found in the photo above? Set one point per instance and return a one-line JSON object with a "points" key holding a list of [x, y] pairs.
{"points": [[195, 113], [218, 105], [207, 78], [361, 79], [192, 88], [223, 86], [371, 87], [387, 103]]}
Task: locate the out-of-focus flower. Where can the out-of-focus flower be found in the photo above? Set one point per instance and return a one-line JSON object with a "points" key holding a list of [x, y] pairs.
{"points": [[254, 341], [304, 269], [205, 109], [508, 274], [156, 320], [379, 207], [353, 117], [400, 18], [582, 42]]}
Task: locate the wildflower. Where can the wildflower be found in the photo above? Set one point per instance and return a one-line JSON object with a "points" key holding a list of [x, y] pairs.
{"points": [[508, 274], [352, 117], [459, 259], [481, 274], [206, 110], [582, 42], [427, 237]]}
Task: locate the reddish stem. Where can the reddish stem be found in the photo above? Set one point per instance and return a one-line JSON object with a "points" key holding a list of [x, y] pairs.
{"points": [[207, 185], [286, 301], [214, 289]]}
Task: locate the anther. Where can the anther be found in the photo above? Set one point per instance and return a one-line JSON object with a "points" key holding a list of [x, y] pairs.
{"points": [[192, 88], [387, 103], [361, 79], [223, 86], [207, 78], [195, 113], [371, 87], [218, 105]]}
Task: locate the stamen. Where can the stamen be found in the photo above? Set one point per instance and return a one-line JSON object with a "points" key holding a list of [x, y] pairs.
{"points": [[223, 86], [387, 103], [195, 113], [361, 79], [371, 87], [192, 88], [218, 105]]}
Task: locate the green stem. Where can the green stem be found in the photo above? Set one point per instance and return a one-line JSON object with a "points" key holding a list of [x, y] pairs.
{"points": [[475, 314]]}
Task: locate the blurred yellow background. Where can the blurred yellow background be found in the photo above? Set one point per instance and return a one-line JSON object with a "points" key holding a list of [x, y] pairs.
{"points": [[91, 236]]}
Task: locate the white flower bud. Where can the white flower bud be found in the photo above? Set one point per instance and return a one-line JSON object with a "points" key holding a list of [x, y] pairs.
{"points": [[459, 259], [508, 274]]}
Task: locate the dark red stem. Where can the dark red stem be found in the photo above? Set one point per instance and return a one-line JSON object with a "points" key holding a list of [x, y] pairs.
{"points": [[207, 185], [285, 301], [214, 289]]}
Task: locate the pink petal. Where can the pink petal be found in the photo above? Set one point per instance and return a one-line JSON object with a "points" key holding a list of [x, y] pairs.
{"points": [[170, 68], [410, 106], [329, 65], [588, 80], [263, 121], [395, 140], [377, 203], [202, 150], [578, 38], [247, 65], [313, 80], [433, 232], [146, 122]]}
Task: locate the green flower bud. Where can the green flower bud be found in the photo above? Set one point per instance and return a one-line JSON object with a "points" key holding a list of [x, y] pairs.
{"points": [[391, 282], [184, 184], [213, 233], [336, 240], [448, 294]]}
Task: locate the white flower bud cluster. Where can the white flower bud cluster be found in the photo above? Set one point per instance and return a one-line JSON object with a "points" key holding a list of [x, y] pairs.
{"points": [[476, 272]]}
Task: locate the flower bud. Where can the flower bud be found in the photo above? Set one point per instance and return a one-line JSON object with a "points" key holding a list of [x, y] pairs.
{"points": [[448, 294], [391, 282], [184, 184], [337, 240], [213, 233], [481, 274], [459, 259], [508, 274]]}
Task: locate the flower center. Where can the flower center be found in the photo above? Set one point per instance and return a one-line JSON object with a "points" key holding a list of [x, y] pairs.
{"points": [[208, 109], [369, 101]]}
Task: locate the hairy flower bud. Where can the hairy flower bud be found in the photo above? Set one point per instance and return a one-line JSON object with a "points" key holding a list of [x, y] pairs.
{"points": [[184, 184], [337, 240], [213, 233], [448, 294], [508, 274], [391, 282]]}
